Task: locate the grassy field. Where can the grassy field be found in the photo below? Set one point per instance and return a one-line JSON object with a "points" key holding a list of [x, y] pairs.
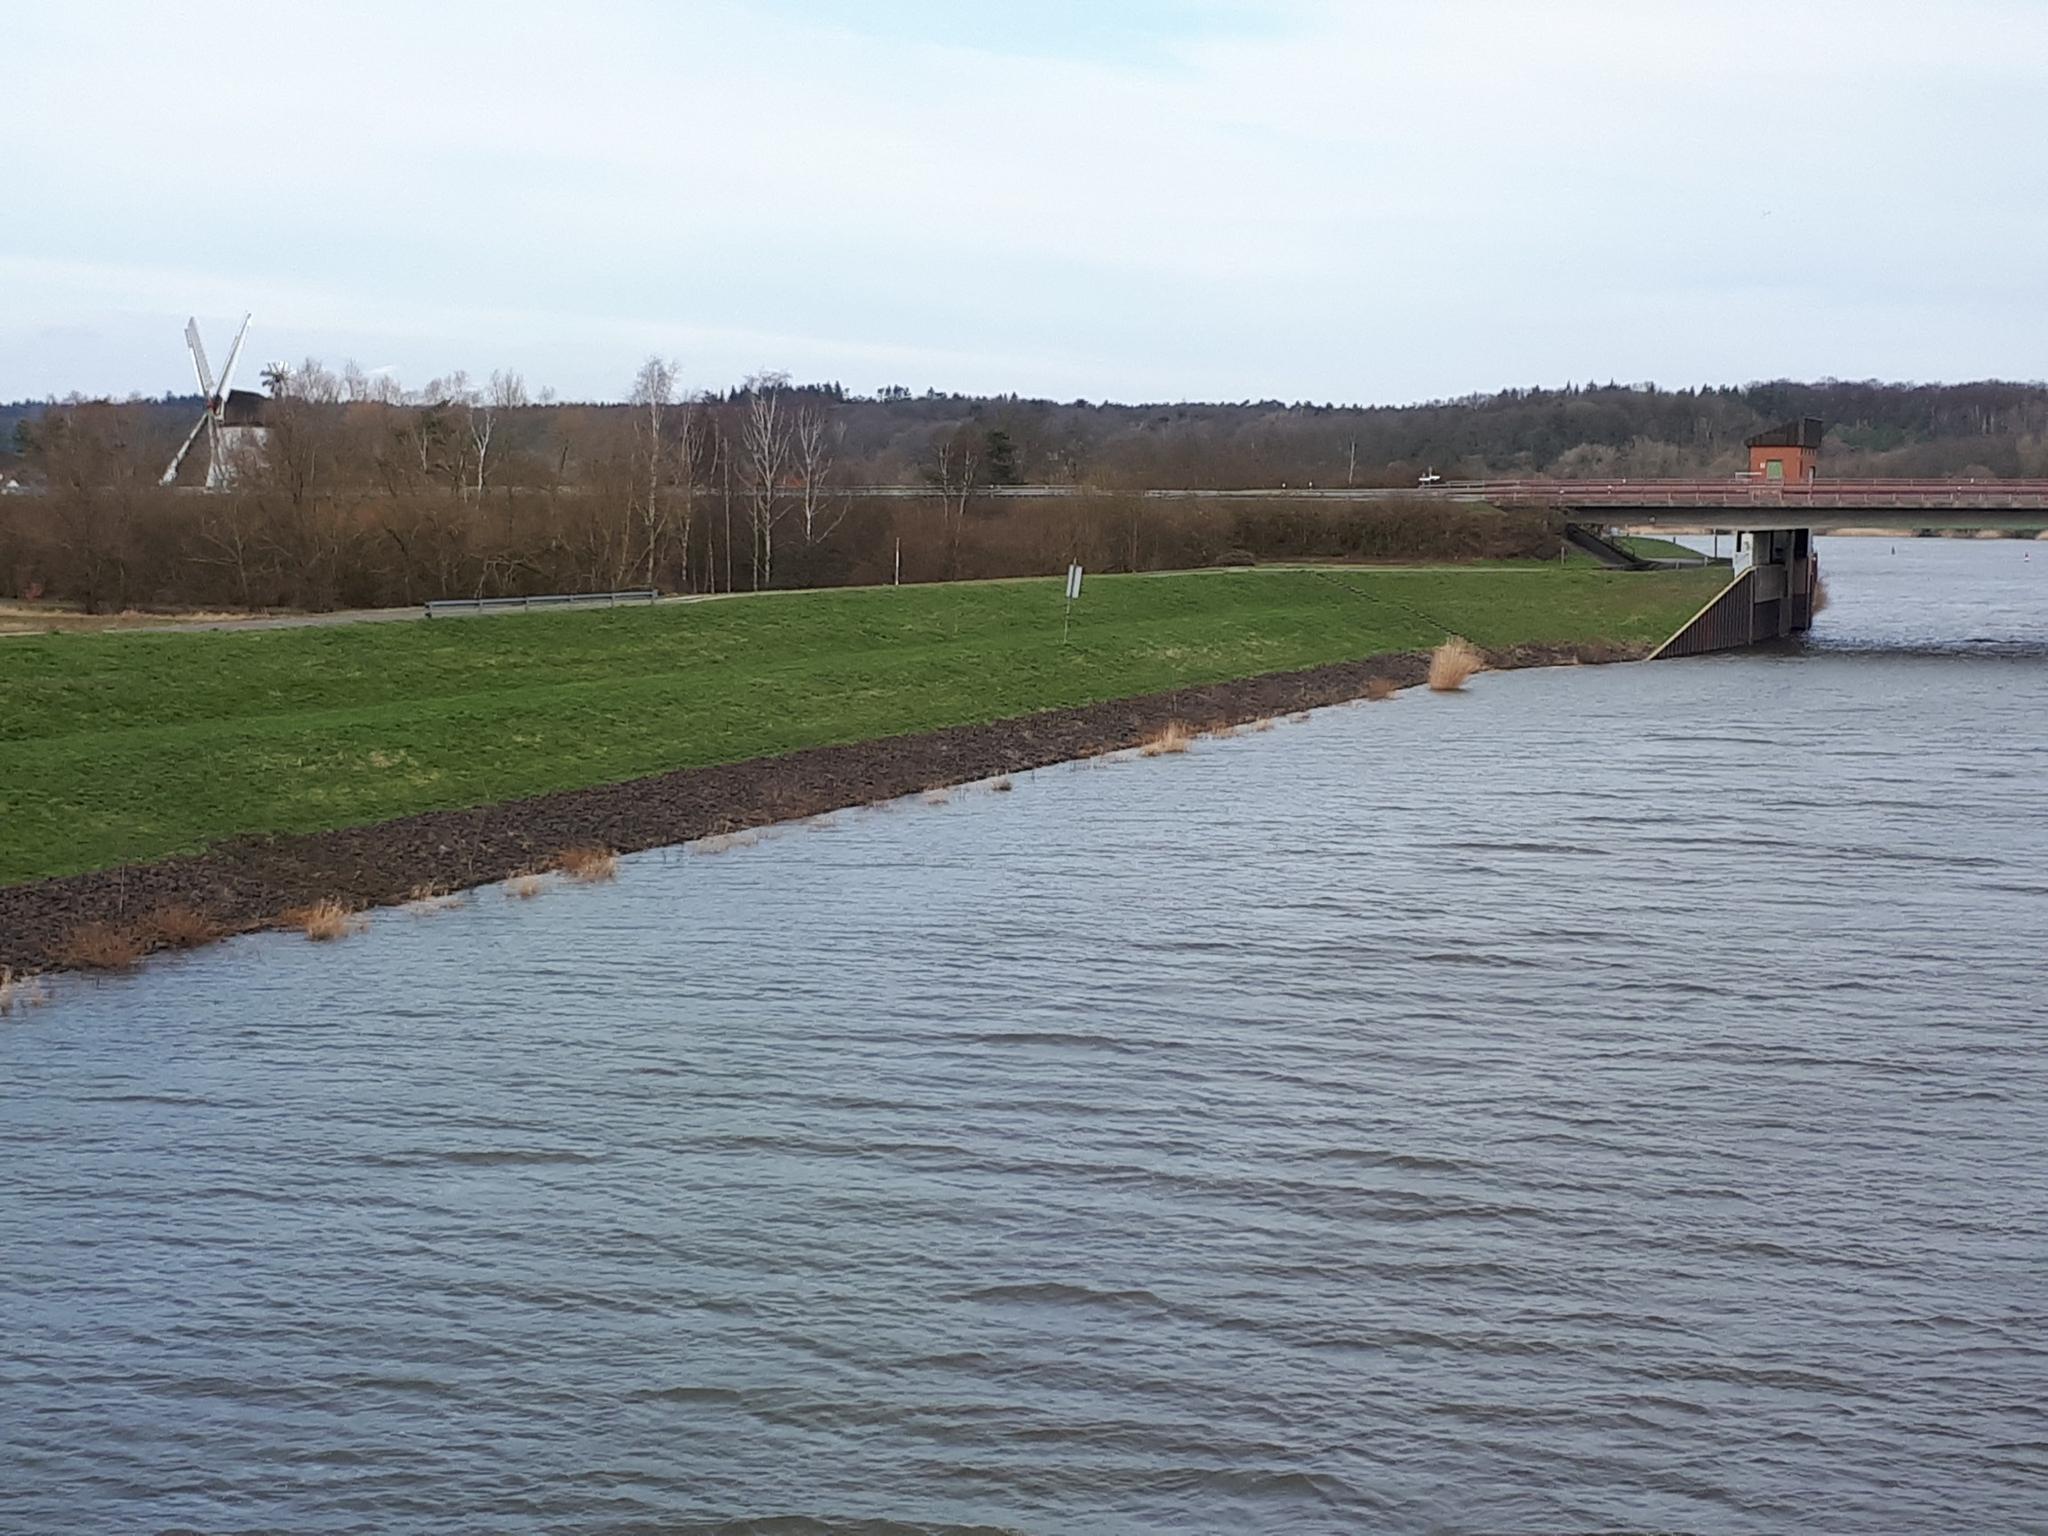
{"points": [[116, 748]]}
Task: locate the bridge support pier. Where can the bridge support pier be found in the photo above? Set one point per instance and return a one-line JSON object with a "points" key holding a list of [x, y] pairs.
{"points": [[1770, 599], [1782, 594]]}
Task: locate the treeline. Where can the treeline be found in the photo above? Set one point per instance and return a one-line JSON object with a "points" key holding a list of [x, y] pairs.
{"points": [[893, 437], [685, 507], [358, 492]]}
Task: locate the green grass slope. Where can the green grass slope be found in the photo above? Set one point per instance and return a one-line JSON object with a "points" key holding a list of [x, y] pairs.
{"points": [[117, 748]]}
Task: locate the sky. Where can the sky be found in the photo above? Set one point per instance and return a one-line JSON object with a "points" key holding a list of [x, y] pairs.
{"points": [[1327, 200]]}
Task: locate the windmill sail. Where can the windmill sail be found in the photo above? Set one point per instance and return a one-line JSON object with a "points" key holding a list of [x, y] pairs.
{"points": [[199, 358], [212, 411], [170, 475], [227, 374]]}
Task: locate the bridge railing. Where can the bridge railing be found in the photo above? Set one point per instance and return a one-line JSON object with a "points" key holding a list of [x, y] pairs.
{"points": [[1905, 495]]}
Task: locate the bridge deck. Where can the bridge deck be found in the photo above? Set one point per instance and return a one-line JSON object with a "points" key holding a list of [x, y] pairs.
{"points": [[1756, 504], [1729, 503], [1825, 495]]}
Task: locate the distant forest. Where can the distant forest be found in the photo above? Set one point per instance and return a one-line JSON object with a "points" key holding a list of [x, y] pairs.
{"points": [[357, 493], [1987, 429]]}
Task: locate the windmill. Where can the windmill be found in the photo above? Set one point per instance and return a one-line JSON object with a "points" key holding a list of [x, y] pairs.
{"points": [[232, 419]]}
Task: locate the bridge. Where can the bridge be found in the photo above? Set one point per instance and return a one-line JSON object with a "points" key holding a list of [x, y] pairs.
{"points": [[1749, 505], [1733, 504], [1779, 516], [1774, 596]]}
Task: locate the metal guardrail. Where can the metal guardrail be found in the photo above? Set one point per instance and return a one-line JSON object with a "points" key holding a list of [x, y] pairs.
{"points": [[453, 605]]}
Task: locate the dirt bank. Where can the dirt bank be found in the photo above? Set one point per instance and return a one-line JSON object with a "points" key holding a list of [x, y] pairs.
{"points": [[245, 883]]}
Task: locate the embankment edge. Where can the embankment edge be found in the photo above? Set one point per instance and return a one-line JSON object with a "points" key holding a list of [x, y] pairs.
{"points": [[246, 883]]}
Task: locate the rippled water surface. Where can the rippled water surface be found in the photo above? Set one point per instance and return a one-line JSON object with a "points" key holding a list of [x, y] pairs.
{"points": [[1614, 1098]]}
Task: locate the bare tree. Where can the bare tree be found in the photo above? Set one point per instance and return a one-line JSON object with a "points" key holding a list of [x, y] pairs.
{"points": [[816, 438], [506, 392], [653, 388], [92, 468], [952, 467], [688, 444], [228, 538], [766, 449]]}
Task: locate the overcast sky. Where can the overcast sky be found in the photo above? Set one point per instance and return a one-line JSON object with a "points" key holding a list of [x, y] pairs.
{"points": [[1130, 199]]}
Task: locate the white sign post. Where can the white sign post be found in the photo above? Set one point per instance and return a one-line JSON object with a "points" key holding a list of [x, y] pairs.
{"points": [[1073, 591]]}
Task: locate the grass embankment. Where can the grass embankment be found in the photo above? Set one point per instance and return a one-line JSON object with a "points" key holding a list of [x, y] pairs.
{"points": [[1643, 546], [1646, 547], [120, 748]]}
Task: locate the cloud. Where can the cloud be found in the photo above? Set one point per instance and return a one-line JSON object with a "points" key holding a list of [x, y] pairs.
{"points": [[1297, 199]]}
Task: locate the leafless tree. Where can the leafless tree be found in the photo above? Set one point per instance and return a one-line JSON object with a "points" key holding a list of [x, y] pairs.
{"points": [[952, 467], [689, 443], [229, 538], [823, 509], [505, 392], [91, 466], [766, 450], [653, 390], [313, 382]]}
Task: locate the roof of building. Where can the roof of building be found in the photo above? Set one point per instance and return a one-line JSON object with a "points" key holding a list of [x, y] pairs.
{"points": [[1806, 432], [243, 408]]}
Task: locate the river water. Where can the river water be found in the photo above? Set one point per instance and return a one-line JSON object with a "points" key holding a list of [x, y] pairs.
{"points": [[1614, 1098]]}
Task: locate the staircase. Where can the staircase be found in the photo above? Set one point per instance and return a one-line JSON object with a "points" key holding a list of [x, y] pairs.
{"points": [[1602, 548]]}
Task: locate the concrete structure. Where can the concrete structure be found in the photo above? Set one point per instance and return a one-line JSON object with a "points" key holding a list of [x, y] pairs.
{"points": [[1774, 597]]}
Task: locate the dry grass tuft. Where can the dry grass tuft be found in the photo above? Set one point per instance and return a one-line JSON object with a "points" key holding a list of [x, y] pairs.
{"points": [[1453, 663], [524, 887], [178, 926], [431, 897], [20, 992], [1175, 738], [1221, 728], [324, 921], [1820, 596], [591, 865], [1002, 786], [1377, 688], [100, 947], [1266, 724]]}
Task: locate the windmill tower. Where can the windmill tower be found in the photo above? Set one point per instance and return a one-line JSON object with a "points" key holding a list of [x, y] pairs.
{"points": [[232, 419]]}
